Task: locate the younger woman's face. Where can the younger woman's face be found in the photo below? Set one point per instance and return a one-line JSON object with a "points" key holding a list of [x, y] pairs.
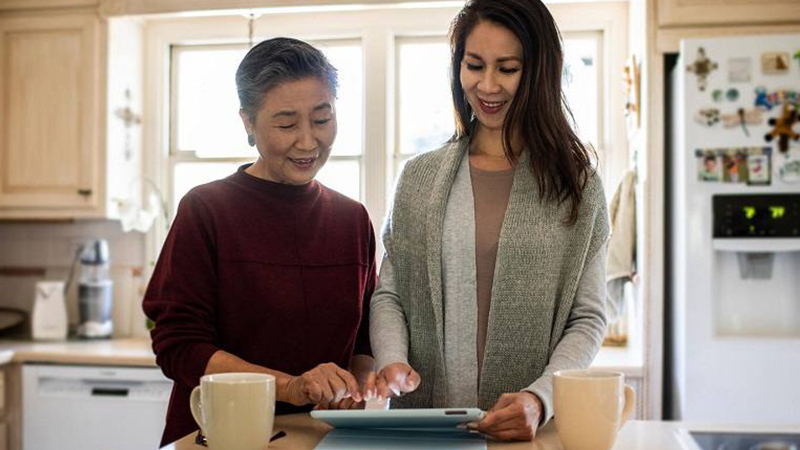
{"points": [[490, 72]]}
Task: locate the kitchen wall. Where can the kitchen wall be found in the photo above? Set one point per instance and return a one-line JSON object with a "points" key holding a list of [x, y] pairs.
{"points": [[30, 252]]}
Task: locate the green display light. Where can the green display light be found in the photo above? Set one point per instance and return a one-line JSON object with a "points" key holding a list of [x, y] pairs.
{"points": [[777, 211], [749, 211]]}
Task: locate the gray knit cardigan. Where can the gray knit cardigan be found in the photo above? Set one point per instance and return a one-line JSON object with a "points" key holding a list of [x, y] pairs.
{"points": [[539, 264]]}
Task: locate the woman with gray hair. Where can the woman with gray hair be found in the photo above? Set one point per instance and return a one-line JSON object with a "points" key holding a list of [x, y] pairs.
{"points": [[268, 270]]}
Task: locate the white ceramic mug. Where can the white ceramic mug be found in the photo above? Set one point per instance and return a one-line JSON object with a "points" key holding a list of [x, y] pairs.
{"points": [[590, 407], [235, 411]]}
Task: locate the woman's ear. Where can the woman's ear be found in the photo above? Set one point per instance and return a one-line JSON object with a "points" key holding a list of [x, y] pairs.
{"points": [[248, 127], [248, 124]]}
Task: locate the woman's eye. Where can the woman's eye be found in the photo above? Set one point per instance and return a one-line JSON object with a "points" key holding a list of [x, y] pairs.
{"points": [[509, 70], [322, 121], [286, 127], [474, 66]]}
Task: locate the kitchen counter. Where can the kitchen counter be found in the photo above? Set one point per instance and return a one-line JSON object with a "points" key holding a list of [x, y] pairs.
{"points": [[138, 352], [113, 352], [304, 433]]}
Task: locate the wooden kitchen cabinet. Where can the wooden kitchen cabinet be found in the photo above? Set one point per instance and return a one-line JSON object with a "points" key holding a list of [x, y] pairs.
{"points": [[726, 12], [50, 121], [28, 4]]}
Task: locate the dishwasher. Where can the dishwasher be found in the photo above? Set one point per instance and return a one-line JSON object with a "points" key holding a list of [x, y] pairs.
{"points": [[93, 407]]}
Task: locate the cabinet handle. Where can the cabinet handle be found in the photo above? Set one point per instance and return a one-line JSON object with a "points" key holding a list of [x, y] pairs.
{"points": [[84, 192]]}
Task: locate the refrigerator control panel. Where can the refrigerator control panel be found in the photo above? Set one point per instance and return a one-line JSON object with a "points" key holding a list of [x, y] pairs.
{"points": [[757, 216]]}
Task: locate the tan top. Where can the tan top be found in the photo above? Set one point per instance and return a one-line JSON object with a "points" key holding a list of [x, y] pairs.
{"points": [[491, 191]]}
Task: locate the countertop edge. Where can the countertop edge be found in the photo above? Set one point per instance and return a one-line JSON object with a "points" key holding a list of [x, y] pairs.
{"points": [[114, 352]]}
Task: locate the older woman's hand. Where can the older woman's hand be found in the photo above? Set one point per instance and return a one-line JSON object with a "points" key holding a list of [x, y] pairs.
{"points": [[515, 417], [393, 380], [323, 385]]}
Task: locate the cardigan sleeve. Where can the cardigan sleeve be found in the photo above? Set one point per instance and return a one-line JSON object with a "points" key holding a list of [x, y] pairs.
{"points": [[388, 327], [583, 333], [181, 295]]}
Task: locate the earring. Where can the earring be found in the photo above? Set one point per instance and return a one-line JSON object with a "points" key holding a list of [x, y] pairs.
{"points": [[251, 140]]}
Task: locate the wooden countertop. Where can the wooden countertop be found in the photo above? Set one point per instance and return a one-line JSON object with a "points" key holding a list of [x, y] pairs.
{"points": [[113, 352], [304, 433], [138, 352]]}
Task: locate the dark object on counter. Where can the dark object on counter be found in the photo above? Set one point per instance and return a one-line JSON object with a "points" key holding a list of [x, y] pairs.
{"points": [[13, 322], [199, 439]]}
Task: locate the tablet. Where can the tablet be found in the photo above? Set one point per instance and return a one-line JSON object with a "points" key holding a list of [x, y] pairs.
{"points": [[399, 418]]}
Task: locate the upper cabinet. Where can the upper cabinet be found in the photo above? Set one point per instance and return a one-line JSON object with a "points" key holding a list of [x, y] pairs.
{"points": [[50, 90], [70, 95], [726, 12], [30, 4]]}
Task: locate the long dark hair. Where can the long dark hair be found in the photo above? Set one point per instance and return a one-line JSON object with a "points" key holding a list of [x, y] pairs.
{"points": [[539, 114]]}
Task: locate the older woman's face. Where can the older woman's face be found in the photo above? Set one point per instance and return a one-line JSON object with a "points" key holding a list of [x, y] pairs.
{"points": [[294, 131]]}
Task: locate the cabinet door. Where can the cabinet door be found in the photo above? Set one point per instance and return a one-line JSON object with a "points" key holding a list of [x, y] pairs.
{"points": [[29, 4], [732, 12], [50, 90]]}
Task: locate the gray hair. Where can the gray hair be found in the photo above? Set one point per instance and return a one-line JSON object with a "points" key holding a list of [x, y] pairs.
{"points": [[276, 61]]}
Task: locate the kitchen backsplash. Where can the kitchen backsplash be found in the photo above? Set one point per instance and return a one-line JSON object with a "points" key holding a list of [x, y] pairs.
{"points": [[31, 252]]}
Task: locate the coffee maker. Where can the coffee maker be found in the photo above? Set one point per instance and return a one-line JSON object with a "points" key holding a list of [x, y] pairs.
{"points": [[95, 292]]}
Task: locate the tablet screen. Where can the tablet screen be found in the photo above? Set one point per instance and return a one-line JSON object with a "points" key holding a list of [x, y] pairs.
{"points": [[399, 418]]}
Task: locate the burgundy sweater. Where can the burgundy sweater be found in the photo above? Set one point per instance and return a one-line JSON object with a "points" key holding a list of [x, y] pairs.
{"points": [[278, 275]]}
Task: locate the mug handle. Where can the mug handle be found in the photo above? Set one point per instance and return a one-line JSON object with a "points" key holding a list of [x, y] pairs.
{"points": [[196, 407], [630, 401]]}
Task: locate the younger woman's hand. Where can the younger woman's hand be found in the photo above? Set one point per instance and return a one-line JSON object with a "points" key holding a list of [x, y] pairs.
{"points": [[323, 385], [393, 380], [515, 417]]}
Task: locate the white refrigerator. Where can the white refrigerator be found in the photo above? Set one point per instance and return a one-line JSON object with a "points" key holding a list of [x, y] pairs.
{"points": [[733, 303]]}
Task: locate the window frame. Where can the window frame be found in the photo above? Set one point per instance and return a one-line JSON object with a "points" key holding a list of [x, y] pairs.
{"points": [[377, 27], [178, 155]]}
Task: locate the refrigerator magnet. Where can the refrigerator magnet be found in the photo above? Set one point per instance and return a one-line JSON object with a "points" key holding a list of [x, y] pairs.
{"points": [[782, 128], [707, 116], [789, 170], [739, 70], [762, 99], [708, 166], [775, 63], [734, 164], [742, 117], [702, 67], [758, 166]]}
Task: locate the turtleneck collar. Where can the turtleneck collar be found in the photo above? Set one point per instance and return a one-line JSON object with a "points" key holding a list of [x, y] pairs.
{"points": [[273, 187]]}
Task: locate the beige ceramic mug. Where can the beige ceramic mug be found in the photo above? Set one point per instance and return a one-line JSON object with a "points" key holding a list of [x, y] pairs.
{"points": [[235, 411], [590, 407]]}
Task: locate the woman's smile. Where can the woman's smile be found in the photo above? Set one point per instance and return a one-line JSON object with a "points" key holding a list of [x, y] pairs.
{"points": [[303, 163], [491, 107]]}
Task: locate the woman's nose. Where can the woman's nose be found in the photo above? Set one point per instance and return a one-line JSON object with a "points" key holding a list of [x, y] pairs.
{"points": [[306, 140], [488, 82]]}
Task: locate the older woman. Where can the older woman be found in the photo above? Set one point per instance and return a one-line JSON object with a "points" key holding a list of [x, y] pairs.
{"points": [[494, 275], [267, 270]]}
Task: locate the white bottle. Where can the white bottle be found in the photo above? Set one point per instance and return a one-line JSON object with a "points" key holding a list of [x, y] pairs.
{"points": [[49, 321]]}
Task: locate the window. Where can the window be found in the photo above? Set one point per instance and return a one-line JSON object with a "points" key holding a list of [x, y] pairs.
{"points": [[424, 103], [207, 138], [394, 98], [425, 108]]}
